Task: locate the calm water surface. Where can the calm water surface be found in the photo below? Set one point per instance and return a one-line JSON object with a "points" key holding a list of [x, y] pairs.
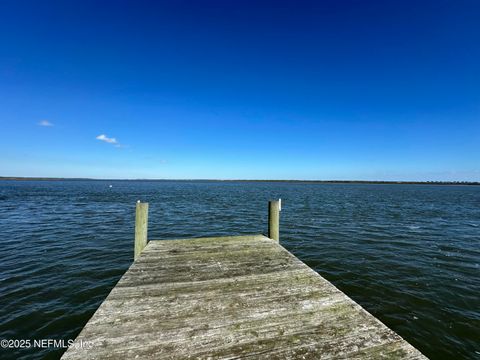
{"points": [[409, 254]]}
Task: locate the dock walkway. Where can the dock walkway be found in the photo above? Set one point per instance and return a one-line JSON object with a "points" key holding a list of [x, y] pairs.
{"points": [[229, 298]]}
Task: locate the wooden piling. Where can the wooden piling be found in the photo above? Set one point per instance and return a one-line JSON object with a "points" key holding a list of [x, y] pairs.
{"points": [[141, 228], [274, 219]]}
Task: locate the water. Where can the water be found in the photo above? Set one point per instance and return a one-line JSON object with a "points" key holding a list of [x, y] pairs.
{"points": [[410, 254]]}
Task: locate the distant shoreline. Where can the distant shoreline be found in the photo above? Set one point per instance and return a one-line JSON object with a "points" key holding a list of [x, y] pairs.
{"points": [[16, 178]]}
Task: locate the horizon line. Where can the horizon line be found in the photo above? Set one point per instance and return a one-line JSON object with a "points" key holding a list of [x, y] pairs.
{"points": [[442, 182]]}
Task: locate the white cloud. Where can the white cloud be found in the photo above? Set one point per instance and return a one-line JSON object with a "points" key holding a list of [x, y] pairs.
{"points": [[45, 123], [107, 139]]}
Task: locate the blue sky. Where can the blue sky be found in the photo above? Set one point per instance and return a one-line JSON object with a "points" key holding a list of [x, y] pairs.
{"points": [[369, 90]]}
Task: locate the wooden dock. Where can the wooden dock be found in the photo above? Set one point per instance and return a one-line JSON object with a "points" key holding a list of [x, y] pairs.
{"points": [[229, 298]]}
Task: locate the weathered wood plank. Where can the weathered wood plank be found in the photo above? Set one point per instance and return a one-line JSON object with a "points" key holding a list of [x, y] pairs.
{"points": [[230, 298]]}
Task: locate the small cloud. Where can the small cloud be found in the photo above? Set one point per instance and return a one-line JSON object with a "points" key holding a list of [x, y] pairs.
{"points": [[45, 123], [121, 146], [107, 139]]}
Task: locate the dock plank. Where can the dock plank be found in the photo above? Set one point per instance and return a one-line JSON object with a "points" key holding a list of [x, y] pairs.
{"points": [[230, 298]]}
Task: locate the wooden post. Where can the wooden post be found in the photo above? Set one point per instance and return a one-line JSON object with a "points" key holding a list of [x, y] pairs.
{"points": [[141, 228], [274, 219]]}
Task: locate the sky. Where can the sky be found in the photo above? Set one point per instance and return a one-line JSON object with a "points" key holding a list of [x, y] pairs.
{"points": [[352, 90]]}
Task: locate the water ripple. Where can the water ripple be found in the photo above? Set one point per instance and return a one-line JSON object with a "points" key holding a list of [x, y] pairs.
{"points": [[409, 254]]}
